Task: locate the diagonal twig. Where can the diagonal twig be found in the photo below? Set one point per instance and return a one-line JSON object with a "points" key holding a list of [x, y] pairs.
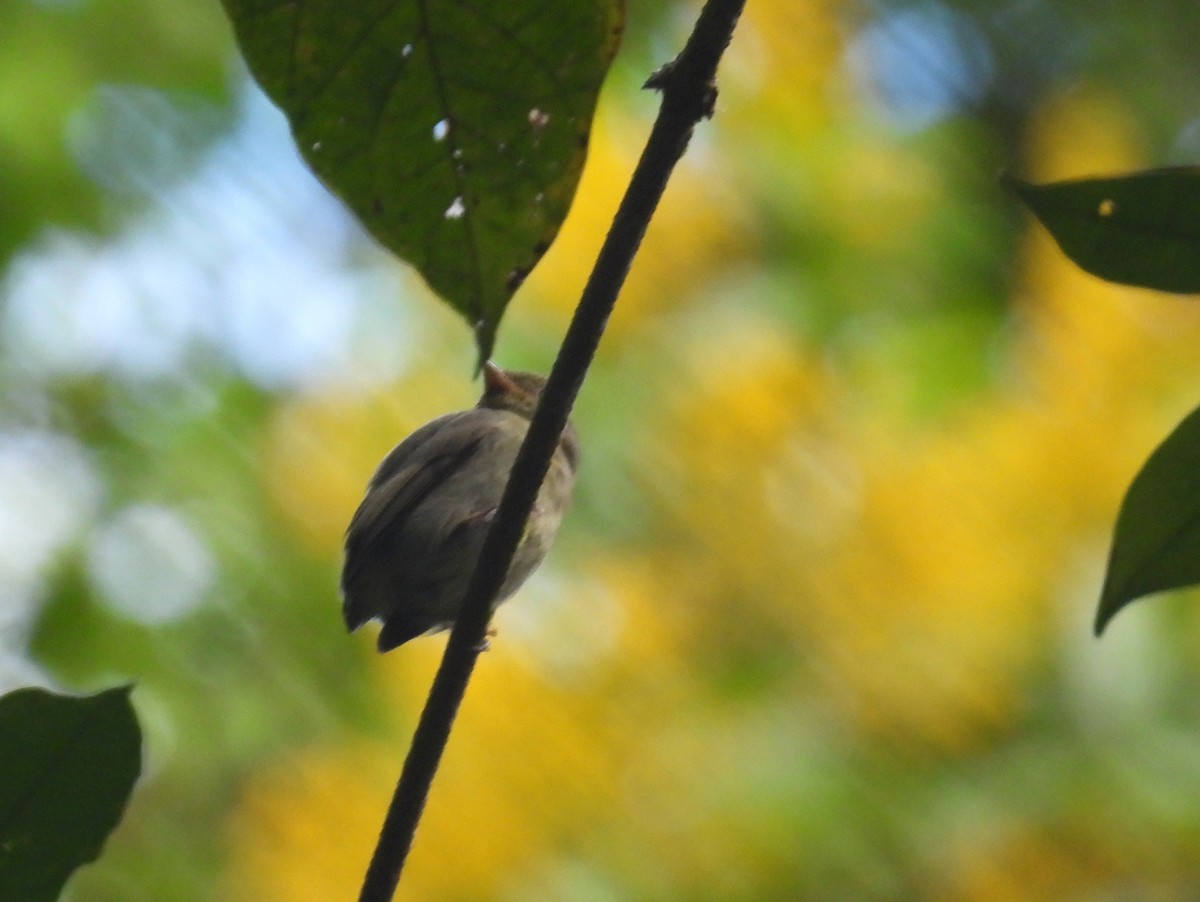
{"points": [[688, 92]]}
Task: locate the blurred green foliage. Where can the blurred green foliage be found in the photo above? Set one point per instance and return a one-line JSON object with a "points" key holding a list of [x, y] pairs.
{"points": [[818, 626]]}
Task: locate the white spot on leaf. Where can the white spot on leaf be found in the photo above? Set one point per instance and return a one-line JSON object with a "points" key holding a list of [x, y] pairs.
{"points": [[456, 209], [440, 129]]}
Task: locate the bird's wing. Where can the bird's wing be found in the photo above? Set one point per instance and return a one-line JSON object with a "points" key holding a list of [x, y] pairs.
{"points": [[424, 460]]}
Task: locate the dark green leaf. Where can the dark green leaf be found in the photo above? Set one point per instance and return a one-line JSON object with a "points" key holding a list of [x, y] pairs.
{"points": [[455, 129], [1141, 229], [1156, 544], [67, 767]]}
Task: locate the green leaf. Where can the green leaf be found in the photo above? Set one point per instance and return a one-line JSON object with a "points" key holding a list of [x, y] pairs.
{"points": [[1156, 544], [1141, 229], [67, 767], [455, 130]]}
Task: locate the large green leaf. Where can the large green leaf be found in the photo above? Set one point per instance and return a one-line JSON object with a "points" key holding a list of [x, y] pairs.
{"points": [[455, 129], [1156, 544], [1141, 229], [67, 767]]}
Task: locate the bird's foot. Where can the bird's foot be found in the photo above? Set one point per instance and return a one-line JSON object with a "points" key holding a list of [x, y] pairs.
{"points": [[485, 642]]}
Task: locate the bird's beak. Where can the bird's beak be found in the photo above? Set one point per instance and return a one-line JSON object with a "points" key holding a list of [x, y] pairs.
{"points": [[496, 380]]}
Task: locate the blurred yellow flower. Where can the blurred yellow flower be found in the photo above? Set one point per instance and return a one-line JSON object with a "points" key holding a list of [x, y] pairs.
{"points": [[700, 225], [304, 831]]}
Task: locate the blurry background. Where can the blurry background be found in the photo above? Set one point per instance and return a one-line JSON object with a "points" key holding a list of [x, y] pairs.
{"points": [[819, 624]]}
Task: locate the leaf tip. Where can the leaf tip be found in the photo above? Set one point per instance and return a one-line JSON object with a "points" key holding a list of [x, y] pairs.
{"points": [[485, 341], [1017, 186], [1111, 601]]}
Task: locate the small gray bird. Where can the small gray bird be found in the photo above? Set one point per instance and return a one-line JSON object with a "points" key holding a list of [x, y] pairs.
{"points": [[413, 542]]}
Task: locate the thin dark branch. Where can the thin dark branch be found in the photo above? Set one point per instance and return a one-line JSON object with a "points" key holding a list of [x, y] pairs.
{"points": [[688, 95]]}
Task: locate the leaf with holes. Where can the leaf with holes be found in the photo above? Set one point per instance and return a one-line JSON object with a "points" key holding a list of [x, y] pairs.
{"points": [[1156, 543], [455, 130], [1140, 229], [67, 767]]}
